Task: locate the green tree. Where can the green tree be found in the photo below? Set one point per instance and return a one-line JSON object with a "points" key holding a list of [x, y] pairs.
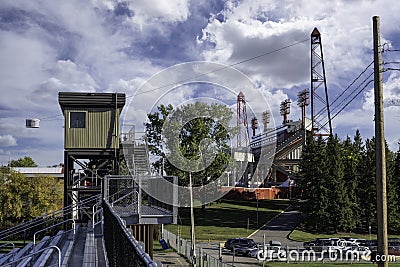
{"points": [[340, 207], [367, 186], [395, 183], [189, 137], [392, 189], [313, 184], [355, 174], [25, 198], [14, 190], [154, 134], [23, 162]]}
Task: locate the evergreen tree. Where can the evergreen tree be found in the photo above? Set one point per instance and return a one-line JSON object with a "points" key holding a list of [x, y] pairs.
{"points": [[357, 156], [313, 173], [339, 206], [392, 185], [351, 159], [367, 186]]}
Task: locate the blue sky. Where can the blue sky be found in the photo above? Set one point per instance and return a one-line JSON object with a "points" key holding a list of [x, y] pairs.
{"points": [[49, 46]]}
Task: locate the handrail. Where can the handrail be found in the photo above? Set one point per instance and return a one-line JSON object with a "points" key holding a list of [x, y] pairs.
{"points": [[145, 257], [123, 197], [100, 210], [39, 251], [13, 245], [47, 228], [23, 227]]}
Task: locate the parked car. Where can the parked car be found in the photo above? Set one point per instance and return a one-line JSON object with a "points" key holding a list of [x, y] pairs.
{"points": [[358, 241], [245, 250], [271, 252], [320, 244], [359, 252], [239, 242]]}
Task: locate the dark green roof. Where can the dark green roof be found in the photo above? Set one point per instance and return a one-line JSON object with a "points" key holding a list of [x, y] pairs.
{"points": [[91, 100]]}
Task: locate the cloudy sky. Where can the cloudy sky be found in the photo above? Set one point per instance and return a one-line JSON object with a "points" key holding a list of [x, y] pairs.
{"points": [[48, 46]]}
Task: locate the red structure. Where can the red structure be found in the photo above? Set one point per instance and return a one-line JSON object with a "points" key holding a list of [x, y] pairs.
{"points": [[243, 139]]}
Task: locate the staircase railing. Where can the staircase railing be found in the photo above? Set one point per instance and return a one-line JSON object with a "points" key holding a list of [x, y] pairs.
{"points": [[121, 247], [11, 264], [38, 222]]}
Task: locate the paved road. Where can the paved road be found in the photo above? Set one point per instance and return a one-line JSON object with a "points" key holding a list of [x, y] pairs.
{"points": [[280, 227], [277, 229]]}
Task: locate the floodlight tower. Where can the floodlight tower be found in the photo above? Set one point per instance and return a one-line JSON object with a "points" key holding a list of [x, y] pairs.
{"points": [[243, 139], [266, 116], [254, 125], [320, 110], [303, 100], [285, 109]]}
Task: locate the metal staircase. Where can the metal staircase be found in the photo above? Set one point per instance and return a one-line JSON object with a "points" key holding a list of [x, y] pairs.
{"points": [[135, 149], [141, 164]]}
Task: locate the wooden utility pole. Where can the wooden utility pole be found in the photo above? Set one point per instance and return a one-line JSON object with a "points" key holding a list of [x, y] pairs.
{"points": [[382, 252]]}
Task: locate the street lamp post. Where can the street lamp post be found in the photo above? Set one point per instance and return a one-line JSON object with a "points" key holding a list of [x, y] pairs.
{"points": [[193, 239]]}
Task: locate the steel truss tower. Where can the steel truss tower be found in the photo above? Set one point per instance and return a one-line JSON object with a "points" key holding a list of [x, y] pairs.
{"points": [[320, 110], [243, 139]]}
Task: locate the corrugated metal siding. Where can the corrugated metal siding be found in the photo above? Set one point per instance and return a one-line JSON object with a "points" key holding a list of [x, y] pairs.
{"points": [[100, 131]]}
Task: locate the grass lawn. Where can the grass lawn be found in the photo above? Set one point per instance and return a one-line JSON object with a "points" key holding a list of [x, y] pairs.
{"points": [[302, 236], [157, 248], [230, 218]]}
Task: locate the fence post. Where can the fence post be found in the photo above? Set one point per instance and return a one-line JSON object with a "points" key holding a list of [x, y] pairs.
{"points": [[201, 258]]}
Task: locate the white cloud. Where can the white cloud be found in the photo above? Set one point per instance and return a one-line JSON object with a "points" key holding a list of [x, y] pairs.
{"points": [[7, 140], [114, 46], [154, 10], [253, 27]]}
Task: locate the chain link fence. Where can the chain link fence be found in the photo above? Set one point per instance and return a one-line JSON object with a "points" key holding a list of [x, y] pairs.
{"points": [[184, 247], [285, 256]]}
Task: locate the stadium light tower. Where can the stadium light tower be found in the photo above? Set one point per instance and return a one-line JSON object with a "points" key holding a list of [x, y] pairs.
{"points": [[266, 117], [254, 125], [285, 109], [303, 100]]}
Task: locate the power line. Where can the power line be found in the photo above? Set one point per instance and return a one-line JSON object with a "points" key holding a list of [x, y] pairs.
{"points": [[347, 88], [222, 68], [338, 105], [386, 69], [353, 82], [393, 62], [348, 103], [388, 48], [50, 117], [206, 73]]}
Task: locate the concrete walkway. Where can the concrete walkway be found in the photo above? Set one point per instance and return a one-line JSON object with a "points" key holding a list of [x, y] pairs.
{"points": [[169, 259], [279, 228]]}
